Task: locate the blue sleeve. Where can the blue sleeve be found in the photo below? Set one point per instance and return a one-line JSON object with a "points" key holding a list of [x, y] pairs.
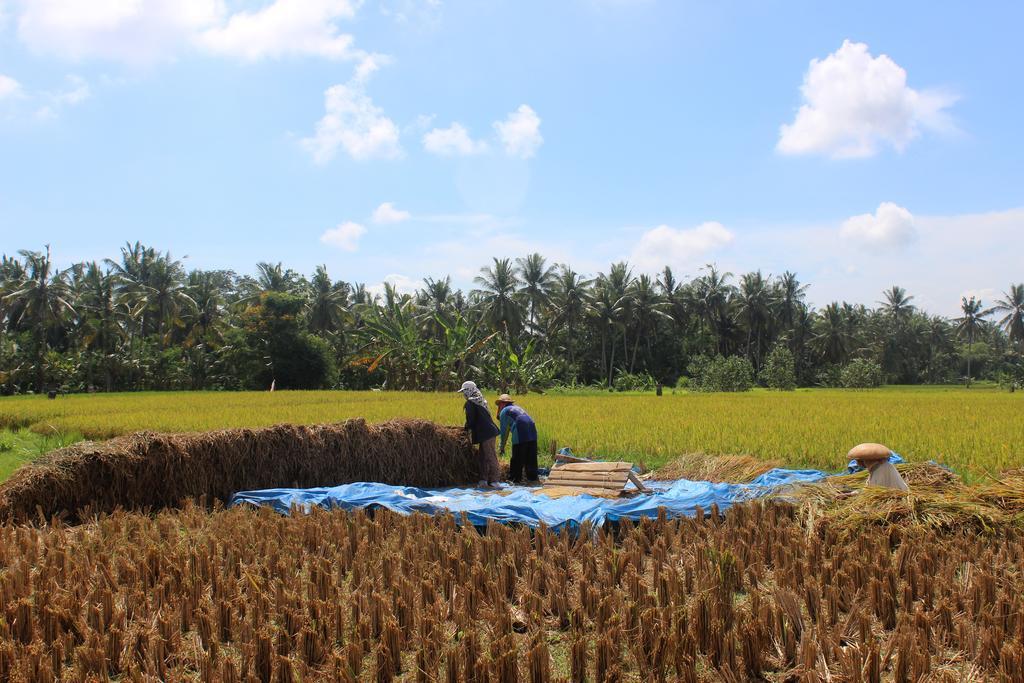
{"points": [[505, 418]]}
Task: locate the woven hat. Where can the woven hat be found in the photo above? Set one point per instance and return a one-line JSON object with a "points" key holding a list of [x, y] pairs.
{"points": [[505, 398], [869, 452]]}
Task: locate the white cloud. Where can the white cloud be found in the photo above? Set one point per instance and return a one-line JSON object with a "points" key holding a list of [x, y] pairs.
{"points": [[8, 87], [665, 245], [403, 283], [855, 103], [353, 122], [520, 132], [452, 141], [345, 236], [422, 12], [144, 32], [952, 256], [284, 28], [387, 213], [78, 91], [137, 32], [890, 226]]}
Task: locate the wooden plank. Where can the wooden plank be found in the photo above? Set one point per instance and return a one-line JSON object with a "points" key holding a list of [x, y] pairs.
{"points": [[562, 458], [621, 477], [596, 466], [617, 481], [563, 491], [586, 482], [636, 482]]}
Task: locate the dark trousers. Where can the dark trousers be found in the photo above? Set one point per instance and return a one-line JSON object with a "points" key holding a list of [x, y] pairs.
{"points": [[524, 454]]}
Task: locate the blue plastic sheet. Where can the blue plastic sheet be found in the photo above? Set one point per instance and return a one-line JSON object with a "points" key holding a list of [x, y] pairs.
{"points": [[522, 505]]}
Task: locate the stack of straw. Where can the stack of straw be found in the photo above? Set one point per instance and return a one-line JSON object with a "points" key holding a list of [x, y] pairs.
{"points": [[151, 471]]}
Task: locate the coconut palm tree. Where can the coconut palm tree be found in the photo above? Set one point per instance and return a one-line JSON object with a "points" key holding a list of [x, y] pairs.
{"points": [[755, 301], [607, 309], [711, 293], [42, 298], [103, 317], [12, 272], [831, 338], [790, 294], [897, 304], [537, 278], [569, 299], [648, 307], [1012, 304], [210, 290], [328, 303], [972, 319], [497, 294], [166, 296]]}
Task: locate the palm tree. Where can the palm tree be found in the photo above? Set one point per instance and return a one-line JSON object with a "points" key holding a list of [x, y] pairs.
{"points": [[607, 308], [619, 281], [434, 302], [497, 295], [710, 294], [755, 302], [166, 296], [569, 298], [12, 272], [328, 303], [537, 278], [970, 322], [832, 339], [209, 290], [133, 273], [647, 307], [897, 304], [42, 296], [790, 297], [1012, 304], [103, 317]]}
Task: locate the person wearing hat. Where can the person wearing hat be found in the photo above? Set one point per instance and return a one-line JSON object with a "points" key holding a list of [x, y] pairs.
{"points": [[874, 457], [515, 421], [483, 432]]}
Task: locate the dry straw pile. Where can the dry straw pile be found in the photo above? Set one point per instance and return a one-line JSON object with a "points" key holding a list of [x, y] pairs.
{"points": [[250, 595], [151, 470], [937, 500]]}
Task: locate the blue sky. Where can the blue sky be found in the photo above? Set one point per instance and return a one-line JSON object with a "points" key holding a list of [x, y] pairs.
{"points": [[858, 144]]}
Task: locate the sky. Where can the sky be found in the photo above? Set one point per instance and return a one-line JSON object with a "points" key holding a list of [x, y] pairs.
{"points": [[860, 145]]}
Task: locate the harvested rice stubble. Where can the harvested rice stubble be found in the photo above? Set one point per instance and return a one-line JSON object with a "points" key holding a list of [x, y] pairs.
{"points": [[250, 595]]}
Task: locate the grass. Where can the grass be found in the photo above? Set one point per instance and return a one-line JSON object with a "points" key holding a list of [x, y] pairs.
{"points": [[974, 431], [23, 445]]}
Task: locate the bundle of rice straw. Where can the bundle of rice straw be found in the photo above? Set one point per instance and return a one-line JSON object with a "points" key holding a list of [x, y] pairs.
{"points": [[937, 500], [734, 469], [150, 470]]}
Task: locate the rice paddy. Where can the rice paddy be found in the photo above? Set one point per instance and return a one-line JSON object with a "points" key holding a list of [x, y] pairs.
{"points": [[832, 581], [975, 431], [250, 595]]}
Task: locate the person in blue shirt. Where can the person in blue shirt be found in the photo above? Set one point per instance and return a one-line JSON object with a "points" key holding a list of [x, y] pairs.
{"points": [[515, 421]]}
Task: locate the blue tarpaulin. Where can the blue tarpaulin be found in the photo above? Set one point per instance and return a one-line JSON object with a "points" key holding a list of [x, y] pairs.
{"points": [[522, 505]]}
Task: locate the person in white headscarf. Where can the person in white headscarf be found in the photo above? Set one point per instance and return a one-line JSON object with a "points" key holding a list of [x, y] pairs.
{"points": [[483, 431]]}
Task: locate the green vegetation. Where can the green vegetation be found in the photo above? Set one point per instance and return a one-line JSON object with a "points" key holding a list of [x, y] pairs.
{"points": [[144, 322], [975, 430], [23, 445]]}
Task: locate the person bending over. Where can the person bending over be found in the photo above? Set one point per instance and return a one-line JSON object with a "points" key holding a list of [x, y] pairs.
{"points": [[515, 421], [483, 432]]}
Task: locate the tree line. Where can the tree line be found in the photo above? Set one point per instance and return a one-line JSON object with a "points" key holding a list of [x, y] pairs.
{"points": [[145, 321]]}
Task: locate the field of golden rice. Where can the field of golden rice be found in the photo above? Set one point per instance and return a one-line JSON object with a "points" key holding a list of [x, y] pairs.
{"points": [[974, 431]]}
